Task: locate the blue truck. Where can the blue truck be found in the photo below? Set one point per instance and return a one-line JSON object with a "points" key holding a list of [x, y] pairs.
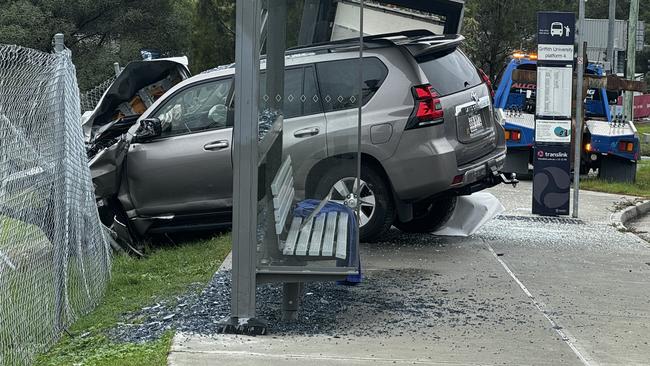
{"points": [[610, 145]]}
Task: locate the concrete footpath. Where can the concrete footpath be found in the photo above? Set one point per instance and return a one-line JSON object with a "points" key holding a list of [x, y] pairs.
{"points": [[522, 291]]}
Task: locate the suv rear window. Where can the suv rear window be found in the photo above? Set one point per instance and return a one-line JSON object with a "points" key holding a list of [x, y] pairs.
{"points": [[450, 72]]}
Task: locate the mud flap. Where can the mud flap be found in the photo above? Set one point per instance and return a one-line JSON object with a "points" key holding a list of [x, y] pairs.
{"points": [[471, 213], [517, 162], [617, 170]]}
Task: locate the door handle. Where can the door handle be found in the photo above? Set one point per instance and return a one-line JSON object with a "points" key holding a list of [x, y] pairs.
{"points": [[216, 145], [313, 131]]}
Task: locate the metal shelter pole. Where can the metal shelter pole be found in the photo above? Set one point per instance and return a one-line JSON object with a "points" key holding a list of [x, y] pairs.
{"points": [[358, 180], [245, 150], [579, 110], [630, 70], [610, 36], [59, 250]]}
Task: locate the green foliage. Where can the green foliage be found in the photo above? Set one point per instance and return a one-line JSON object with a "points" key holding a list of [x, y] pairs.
{"points": [[644, 128], [99, 32], [213, 37], [496, 28], [98, 350], [135, 283]]}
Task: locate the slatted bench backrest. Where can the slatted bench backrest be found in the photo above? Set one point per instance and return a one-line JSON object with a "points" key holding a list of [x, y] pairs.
{"points": [[324, 236], [283, 195]]}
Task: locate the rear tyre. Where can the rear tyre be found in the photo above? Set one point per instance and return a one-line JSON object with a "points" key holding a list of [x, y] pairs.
{"points": [[429, 217], [377, 208], [617, 170]]}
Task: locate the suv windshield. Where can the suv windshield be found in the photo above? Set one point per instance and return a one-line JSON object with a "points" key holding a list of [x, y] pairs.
{"points": [[450, 72]]}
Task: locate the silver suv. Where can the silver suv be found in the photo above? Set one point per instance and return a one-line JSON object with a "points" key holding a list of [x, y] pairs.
{"points": [[428, 136]]}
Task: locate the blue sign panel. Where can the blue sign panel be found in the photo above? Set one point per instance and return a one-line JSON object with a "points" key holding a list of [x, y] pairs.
{"points": [[556, 28]]}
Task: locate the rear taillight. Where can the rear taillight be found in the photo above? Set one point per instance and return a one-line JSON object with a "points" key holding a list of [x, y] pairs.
{"points": [[626, 146], [487, 81], [513, 135], [428, 108]]}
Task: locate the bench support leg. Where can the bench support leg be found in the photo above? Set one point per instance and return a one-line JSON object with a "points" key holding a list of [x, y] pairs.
{"points": [[291, 300]]}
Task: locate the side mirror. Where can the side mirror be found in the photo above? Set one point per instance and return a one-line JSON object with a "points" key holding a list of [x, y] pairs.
{"points": [[149, 128]]}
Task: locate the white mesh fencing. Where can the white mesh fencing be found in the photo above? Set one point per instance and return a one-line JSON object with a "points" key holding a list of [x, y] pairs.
{"points": [[54, 257], [90, 98]]}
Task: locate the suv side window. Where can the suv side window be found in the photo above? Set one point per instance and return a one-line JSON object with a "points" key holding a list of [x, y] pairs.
{"points": [[338, 82], [197, 108], [300, 92]]}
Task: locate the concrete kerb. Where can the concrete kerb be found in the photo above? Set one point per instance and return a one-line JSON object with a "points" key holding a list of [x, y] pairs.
{"points": [[620, 218], [226, 265]]}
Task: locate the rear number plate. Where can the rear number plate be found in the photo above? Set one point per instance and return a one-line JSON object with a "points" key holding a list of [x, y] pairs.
{"points": [[475, 123]]}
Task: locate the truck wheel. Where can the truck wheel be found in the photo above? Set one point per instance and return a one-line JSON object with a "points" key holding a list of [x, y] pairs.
{"points": [[377, 211], [617, 170], [429, 217]]}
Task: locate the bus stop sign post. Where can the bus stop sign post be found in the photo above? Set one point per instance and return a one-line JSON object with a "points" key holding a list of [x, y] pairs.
{"points": [[551, 175]]}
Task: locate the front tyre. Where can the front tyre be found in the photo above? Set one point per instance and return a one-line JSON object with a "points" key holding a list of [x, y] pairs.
{"points": [[376, 210], [429, 217]]}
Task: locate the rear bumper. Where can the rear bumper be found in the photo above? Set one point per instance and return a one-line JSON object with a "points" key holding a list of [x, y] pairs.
{"points": [[480, 175], [419, 171]]}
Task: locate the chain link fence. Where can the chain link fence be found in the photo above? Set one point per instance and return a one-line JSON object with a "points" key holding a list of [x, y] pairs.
{"points": [[90, 98], [54, 256]]}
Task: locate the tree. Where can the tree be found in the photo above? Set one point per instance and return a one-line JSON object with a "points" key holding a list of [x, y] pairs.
{"points": [[496, 28], [99, 32], [213, 36]]}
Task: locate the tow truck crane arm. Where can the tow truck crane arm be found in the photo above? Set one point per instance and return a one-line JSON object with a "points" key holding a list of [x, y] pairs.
{"points": [[609, 82]]}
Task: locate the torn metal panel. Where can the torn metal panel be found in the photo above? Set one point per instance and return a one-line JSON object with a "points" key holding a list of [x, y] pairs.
{"points": [[134, 90], [471, 213]]}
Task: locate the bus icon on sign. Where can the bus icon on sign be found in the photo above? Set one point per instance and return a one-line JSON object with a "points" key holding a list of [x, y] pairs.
{"points": [[557, 29]]}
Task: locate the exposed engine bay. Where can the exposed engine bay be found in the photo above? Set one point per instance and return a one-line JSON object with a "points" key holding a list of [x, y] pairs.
{"points": [[137, 87]]}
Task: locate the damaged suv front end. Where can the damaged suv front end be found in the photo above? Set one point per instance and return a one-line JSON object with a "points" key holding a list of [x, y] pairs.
{"points": [[107, 137]]}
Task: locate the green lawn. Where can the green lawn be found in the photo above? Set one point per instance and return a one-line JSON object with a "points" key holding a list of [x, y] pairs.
{"points": [[640, 188], [136, 283], [643, 128], [26, 285]]}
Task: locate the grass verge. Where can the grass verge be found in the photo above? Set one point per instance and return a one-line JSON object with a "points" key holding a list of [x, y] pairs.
{"points": [[640, 188], [643, 128], [136, 283]]}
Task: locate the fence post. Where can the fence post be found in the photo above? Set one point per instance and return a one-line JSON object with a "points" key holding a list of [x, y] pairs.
{"points": [[56, 235]]}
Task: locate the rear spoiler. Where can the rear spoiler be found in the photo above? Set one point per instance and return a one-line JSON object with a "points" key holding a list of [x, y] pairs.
{"points": [[425, 45], [418, 42]]}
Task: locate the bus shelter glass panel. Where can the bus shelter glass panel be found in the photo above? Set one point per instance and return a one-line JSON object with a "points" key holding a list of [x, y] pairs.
{"points": [[311, 200]]}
